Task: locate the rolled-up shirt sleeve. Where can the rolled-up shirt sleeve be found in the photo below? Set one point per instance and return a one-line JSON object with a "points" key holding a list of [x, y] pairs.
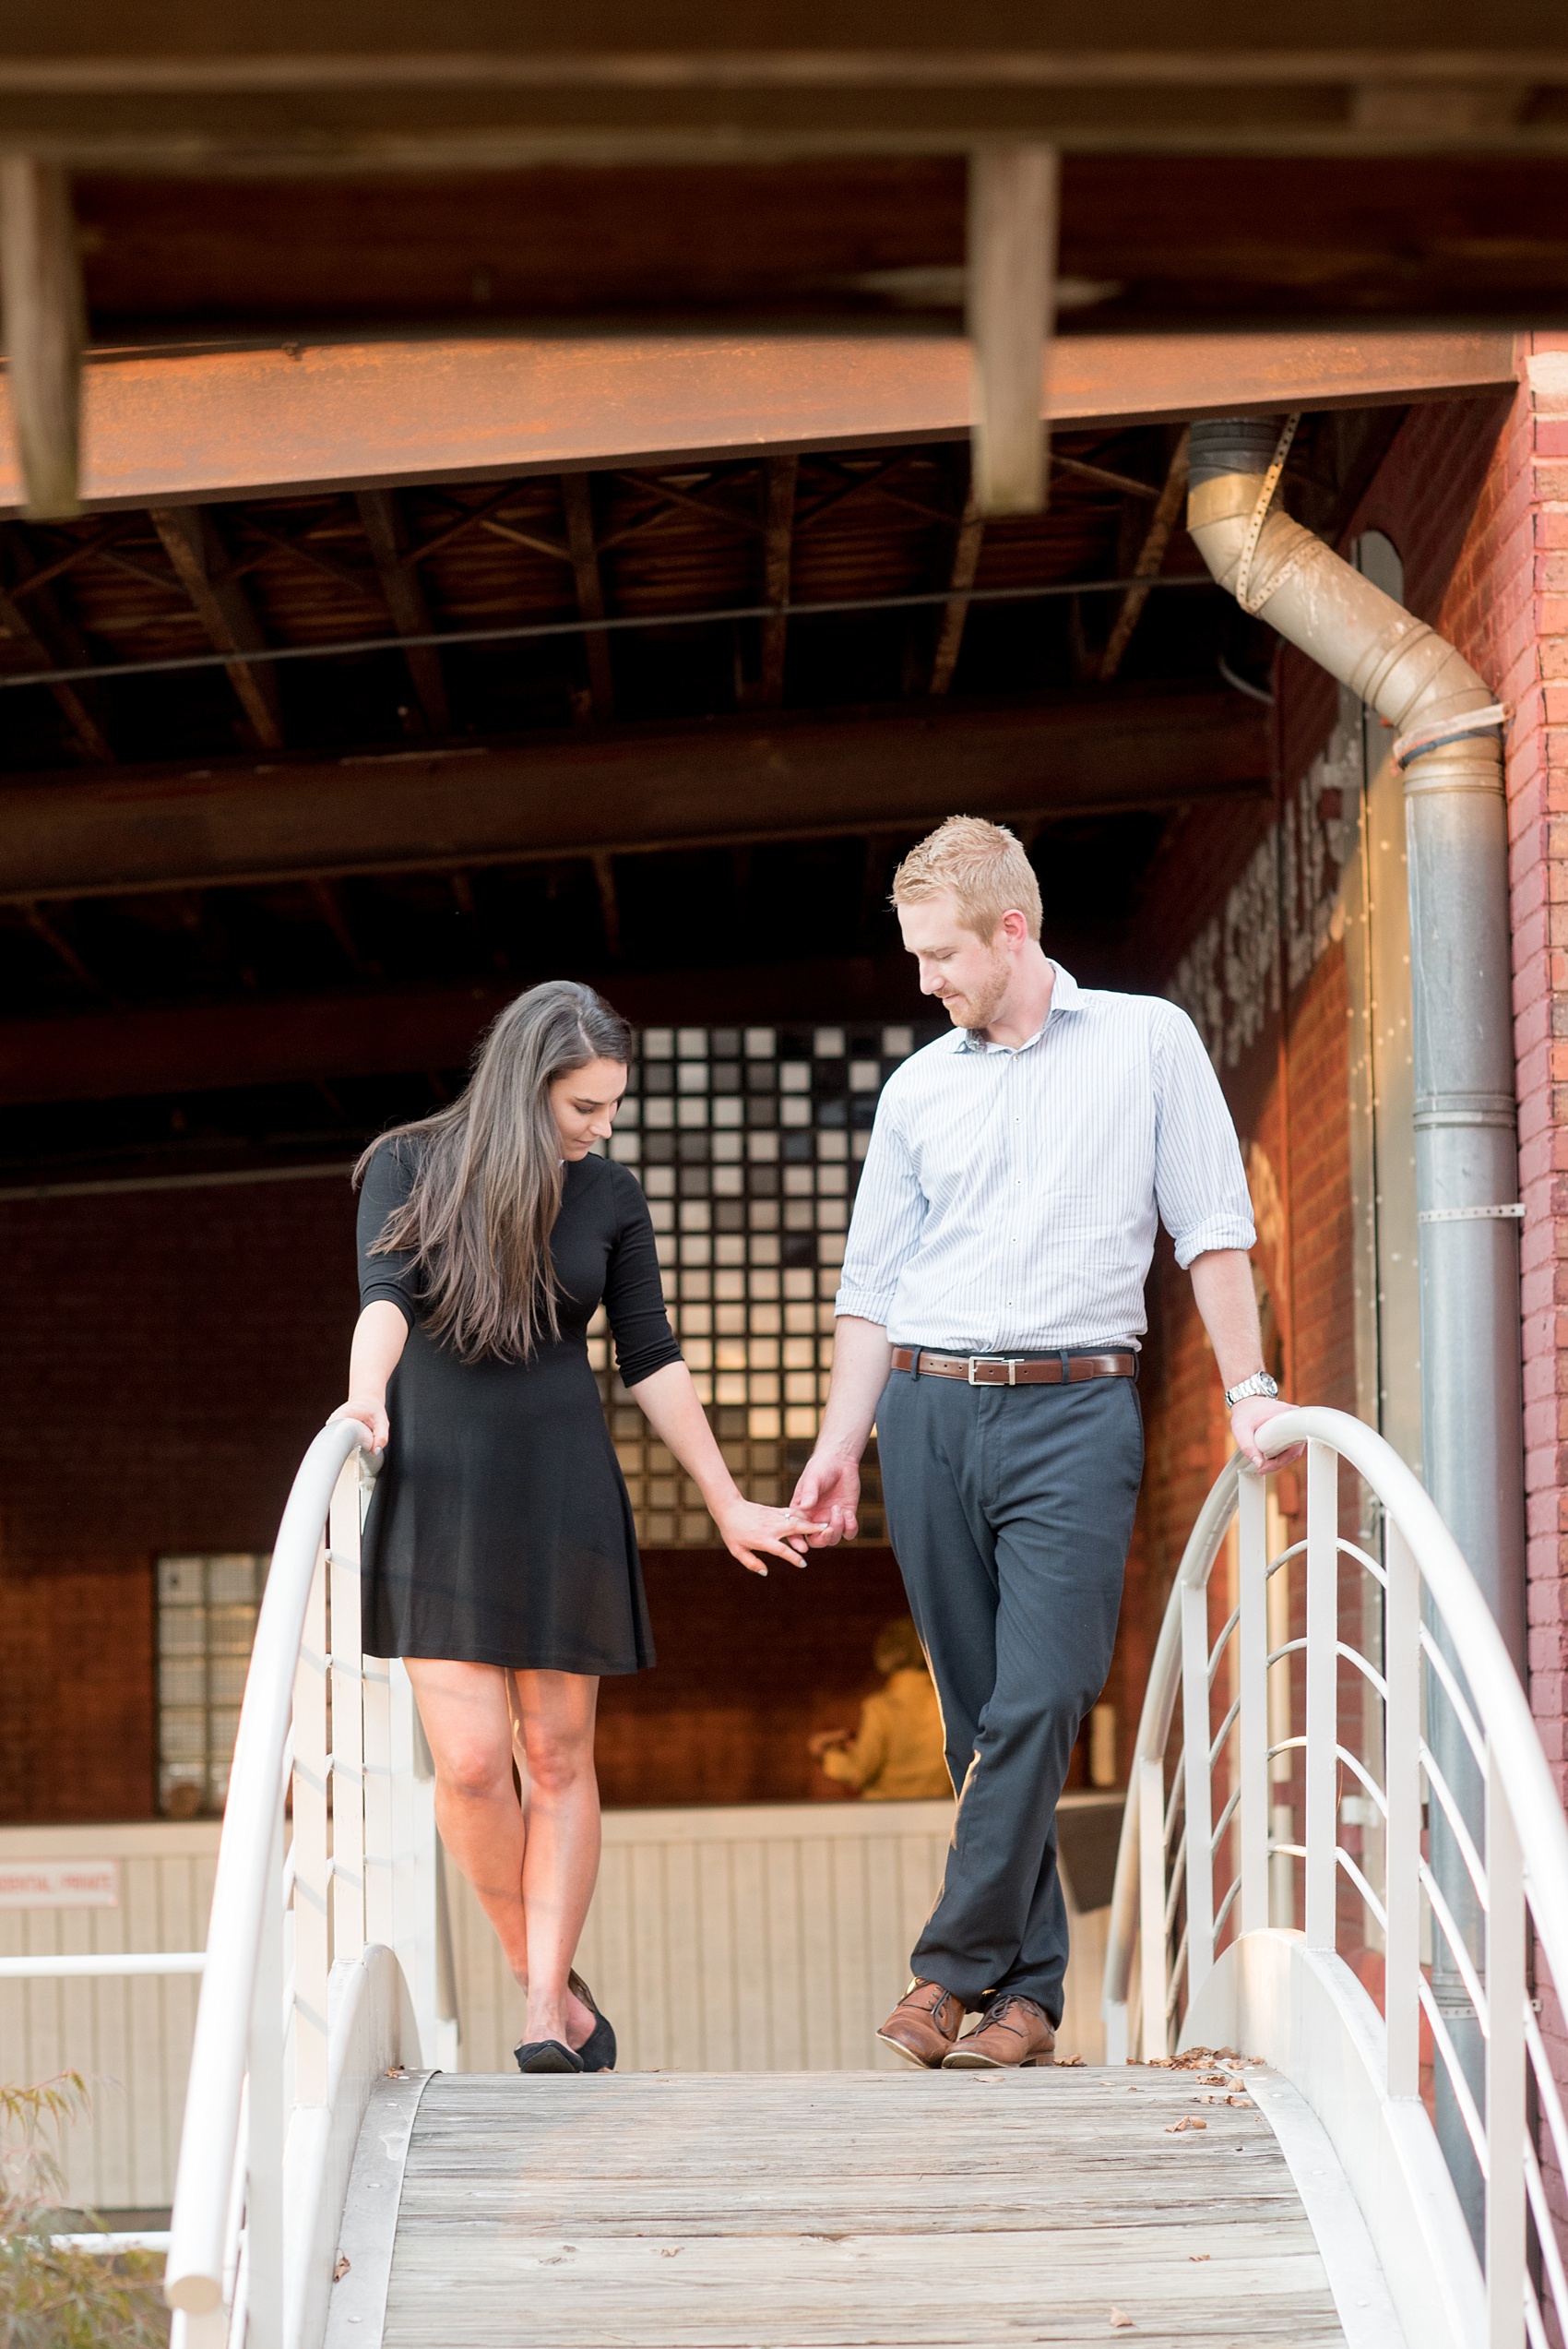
{"points": [[388, 1179], [634, 1291], [884, 1229], [1199, 1181]]}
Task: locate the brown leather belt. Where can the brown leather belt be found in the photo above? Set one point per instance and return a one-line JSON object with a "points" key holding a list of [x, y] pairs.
{"points": [[1016, 1371]]}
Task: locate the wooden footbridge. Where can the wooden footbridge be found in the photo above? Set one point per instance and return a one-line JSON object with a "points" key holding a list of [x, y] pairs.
{"points": [[665, 2210], [341, 2185]]}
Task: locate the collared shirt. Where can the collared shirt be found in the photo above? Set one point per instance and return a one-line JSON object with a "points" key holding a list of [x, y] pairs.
{"points": [[1010, 1197]]}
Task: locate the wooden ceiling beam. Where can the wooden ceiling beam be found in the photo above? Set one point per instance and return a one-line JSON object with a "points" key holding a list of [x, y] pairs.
{"points": [[576, 497], [38, 635], [45, 319], [622, 791], [1014, 200], [1146, 564], [204, 1047], [382, 520], [960, 578], [192, 542]]}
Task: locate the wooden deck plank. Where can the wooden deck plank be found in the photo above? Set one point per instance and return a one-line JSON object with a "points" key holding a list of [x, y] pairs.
{"points": [[848, 2210]]}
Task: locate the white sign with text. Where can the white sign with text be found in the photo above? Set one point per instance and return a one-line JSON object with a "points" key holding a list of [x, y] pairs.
{"points": [[59, 1884]]}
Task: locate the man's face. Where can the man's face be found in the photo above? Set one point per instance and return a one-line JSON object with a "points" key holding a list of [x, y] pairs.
{"points": [[967, 975]]}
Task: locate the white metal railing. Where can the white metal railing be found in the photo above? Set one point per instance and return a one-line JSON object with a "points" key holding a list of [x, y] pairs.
{"points": [[1340, 1718], [321, 1965]]}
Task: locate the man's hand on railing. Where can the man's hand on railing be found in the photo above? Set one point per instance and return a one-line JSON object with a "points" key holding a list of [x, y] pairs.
{"points": [[1252, 1413], [372, 1415]]}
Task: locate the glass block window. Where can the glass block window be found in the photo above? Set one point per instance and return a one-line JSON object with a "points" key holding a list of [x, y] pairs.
{"points": [[748, 1142], [206, 1611]]}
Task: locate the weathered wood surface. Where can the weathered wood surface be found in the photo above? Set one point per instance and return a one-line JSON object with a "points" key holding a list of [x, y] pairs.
{"points": [[690, 2211]]}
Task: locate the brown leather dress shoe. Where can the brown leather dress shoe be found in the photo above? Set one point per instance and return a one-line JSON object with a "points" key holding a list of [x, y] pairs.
{"points": [[923, 2025], [1012, 2031]]}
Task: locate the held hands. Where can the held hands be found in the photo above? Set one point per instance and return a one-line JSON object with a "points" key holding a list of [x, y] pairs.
{"points": [[748, 1527], [1250, 1413], [371, 1412], [830, 1489]]}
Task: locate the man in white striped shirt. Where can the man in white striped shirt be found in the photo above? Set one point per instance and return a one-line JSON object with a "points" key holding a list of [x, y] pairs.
{"points": [[989, 1320]]}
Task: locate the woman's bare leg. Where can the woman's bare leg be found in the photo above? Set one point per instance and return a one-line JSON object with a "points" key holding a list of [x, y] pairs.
{"points": [[560, 1862], [468, 1722]]}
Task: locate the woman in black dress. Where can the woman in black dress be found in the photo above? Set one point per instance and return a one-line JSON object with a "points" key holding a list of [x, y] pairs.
{"points": [[500, 1555]]}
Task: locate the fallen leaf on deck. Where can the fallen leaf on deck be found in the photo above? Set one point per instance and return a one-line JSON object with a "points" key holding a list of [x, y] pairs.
{"points": [[1065, 2063], [340, 2270], [1119, 2321], [1188, 2120], [1197, 2258]]}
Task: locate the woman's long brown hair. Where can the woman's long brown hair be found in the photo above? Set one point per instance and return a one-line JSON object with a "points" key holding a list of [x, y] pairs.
{"points": [[488, 1177]]}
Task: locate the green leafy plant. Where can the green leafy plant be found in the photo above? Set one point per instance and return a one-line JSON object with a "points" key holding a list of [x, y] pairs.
{"points": [[52, 2295]]}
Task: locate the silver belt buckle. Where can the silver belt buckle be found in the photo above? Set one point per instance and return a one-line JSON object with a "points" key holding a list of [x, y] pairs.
{"points": [[1008, 1361]]}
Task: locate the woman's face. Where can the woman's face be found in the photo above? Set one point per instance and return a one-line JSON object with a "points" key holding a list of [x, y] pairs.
{"points": [[584, 1103]]}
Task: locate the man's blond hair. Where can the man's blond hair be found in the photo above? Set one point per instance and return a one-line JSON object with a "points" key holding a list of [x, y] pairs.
{"points": [[985, 867]]}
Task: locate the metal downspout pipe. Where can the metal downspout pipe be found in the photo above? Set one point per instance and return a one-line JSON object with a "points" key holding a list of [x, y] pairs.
{"points": [[1448, 729]]}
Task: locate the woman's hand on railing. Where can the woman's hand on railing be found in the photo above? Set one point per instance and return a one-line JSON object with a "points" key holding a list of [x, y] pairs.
{"points": [[1250, 1415], [371, 1412]]}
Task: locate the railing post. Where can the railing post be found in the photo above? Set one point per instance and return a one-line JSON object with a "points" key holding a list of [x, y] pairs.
{"points": [[1402, 1785], [1151, 1904], [1323, 1711], [348, 1717], [1252, 1806], [1505, 2115], [311, 1959], [1197, 1789]]}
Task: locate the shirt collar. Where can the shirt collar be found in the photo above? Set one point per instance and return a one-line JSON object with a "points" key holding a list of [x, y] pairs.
{"points": [[1065, 996]]}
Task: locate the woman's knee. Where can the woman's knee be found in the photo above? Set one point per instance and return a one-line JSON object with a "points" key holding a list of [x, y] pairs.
{"points": [[559, 1754], [474, 1770]]}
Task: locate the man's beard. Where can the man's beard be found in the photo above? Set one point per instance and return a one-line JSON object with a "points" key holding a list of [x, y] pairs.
{"points": [[980, 1008]]}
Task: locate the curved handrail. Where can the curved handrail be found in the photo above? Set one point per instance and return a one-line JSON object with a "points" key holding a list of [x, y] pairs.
{"points": [[1497, 1696], [204, 2182]]}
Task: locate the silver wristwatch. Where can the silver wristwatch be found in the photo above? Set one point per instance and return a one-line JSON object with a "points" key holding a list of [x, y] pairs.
{"points": [[1260, 1383]]}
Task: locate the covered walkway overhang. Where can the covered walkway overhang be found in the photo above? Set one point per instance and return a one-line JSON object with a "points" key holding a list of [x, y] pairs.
{"points": [[383, 677]]}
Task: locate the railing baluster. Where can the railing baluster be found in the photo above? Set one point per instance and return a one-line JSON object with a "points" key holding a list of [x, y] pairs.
{"points": [[1151, 1904], [267, 2120], [1402, 1780], [1194, 1719], [310, 1951], [1505, 2115], [348, 1719], [378, 1909], [1252, 1810], [1322, 1631]]}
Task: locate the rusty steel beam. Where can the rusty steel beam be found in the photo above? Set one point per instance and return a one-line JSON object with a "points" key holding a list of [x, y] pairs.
{"points": [[169, 430], [622, 791], [207, 1048]]}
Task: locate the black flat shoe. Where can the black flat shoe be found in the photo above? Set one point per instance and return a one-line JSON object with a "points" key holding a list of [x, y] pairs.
{"points": [[598, 2050], [545, 2055]]}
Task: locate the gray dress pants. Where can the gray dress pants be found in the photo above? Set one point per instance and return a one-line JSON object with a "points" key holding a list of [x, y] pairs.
{"points": [[1010, 1510]]}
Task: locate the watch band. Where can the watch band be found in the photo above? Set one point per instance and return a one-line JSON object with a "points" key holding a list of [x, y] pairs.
{"points": [[1260, 1383]]}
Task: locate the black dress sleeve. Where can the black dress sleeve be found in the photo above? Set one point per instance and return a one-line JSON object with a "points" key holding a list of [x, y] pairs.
{"points": [[388, 1179], [634, 1294]]}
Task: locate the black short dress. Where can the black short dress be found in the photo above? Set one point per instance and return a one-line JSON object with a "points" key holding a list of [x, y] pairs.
{"points": [[500, 1530]]}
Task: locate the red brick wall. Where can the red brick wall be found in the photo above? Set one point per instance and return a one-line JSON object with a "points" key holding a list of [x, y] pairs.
{"points": [[167, 1356]]}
